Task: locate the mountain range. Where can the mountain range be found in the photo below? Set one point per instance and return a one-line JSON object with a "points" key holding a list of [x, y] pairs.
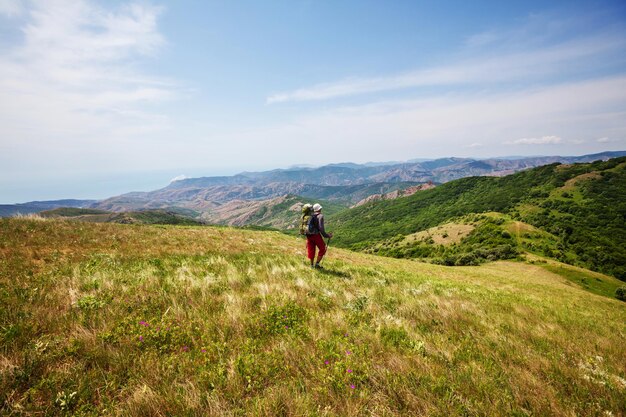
{"points": [[346, 184], [247, 197]]}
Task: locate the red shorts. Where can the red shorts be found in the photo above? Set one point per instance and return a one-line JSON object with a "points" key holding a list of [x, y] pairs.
{"points": [[313, 241]]}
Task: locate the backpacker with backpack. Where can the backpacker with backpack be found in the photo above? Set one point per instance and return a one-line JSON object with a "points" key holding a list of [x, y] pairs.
{"points": [[308, 221]]}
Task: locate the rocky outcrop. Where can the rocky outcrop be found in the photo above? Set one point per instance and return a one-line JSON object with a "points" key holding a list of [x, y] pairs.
{"points": [[396, 194]]}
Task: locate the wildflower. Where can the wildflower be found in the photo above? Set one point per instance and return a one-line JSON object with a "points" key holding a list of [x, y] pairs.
{"points": [[143, 323], [185, 348], [141, 338], [286, 327], [352, 386], [325, 362], [348, 352], [203, 350], [349, 371]]}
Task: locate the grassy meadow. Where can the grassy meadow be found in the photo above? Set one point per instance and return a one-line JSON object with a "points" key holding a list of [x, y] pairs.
{"points": [[147, 320]]}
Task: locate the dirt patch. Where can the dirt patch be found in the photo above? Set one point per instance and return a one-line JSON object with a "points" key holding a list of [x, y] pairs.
{"points": [[516, 227], [446, 234], [571, 183]]}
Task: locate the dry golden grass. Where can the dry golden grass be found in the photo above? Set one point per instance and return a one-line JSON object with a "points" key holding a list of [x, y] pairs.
{"points": [[572, 183], [106, 319], [445, 234]]}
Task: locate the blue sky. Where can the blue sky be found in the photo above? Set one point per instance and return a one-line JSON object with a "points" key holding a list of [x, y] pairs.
{"points": [[98, 98]]}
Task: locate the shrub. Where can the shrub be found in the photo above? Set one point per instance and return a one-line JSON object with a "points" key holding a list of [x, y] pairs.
{"points": [[289, 318], [620, 293], [89, 302]]}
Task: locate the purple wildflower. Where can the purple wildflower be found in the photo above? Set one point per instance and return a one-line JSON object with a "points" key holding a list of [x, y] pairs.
{"points": [[325, 362], [203, 350], [352, 386], [185, 348], [349, 371], [141, 338], [348, 352]]}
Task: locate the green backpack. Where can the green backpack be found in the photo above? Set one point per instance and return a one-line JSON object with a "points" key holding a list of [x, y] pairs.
{"points": [[307, 212]]}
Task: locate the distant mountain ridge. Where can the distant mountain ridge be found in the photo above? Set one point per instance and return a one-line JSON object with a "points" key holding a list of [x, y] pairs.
{"points": [[344, 183], [347, 183], [438, 170], [396, 194], [7, 210]]}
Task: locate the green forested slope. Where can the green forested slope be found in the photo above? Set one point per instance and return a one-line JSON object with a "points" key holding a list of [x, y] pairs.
{"points": [[583, 205]]}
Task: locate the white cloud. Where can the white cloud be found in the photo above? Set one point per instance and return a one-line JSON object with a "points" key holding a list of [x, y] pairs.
{"points": [[440, 125], [11, 8], [544, 140], [178, 178], [71, 80], [603, 140], [475, 145]]}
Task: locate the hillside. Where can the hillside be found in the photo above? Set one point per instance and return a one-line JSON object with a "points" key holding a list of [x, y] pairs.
{"points": [[131, 217], [208, 198], [110, 319], [396, 194], [8, 210], [581, 206], [279, 213]]}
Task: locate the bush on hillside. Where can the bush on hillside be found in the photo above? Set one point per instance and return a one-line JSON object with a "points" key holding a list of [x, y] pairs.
{"points": [[620, 293]]}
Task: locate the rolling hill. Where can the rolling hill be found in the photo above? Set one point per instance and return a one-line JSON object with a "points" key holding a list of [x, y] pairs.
{"points": [[139, 320], [132, 217], [8, 210], [581, 206], [278, 213]]}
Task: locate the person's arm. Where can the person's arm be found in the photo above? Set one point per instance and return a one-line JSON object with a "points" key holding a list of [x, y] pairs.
{"points": [[320, 220]]}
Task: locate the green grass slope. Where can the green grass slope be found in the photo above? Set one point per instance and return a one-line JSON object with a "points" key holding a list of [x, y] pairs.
{"points": [[156, 216], [583, 206], [468, 240], [110, 319]]}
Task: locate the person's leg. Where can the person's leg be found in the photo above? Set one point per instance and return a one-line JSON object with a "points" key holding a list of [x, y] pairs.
{"points": [[310, 246], [321, 245]]}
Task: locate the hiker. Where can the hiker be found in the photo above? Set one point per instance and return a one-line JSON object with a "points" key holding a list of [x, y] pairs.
{"points": [[314, 236]]}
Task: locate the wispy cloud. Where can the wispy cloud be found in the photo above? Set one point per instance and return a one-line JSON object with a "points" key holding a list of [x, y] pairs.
{"points": [[74, 73], [11, 8], [605, 140], [544, 140], [178, 178], [510, 63], [437, 125]]}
